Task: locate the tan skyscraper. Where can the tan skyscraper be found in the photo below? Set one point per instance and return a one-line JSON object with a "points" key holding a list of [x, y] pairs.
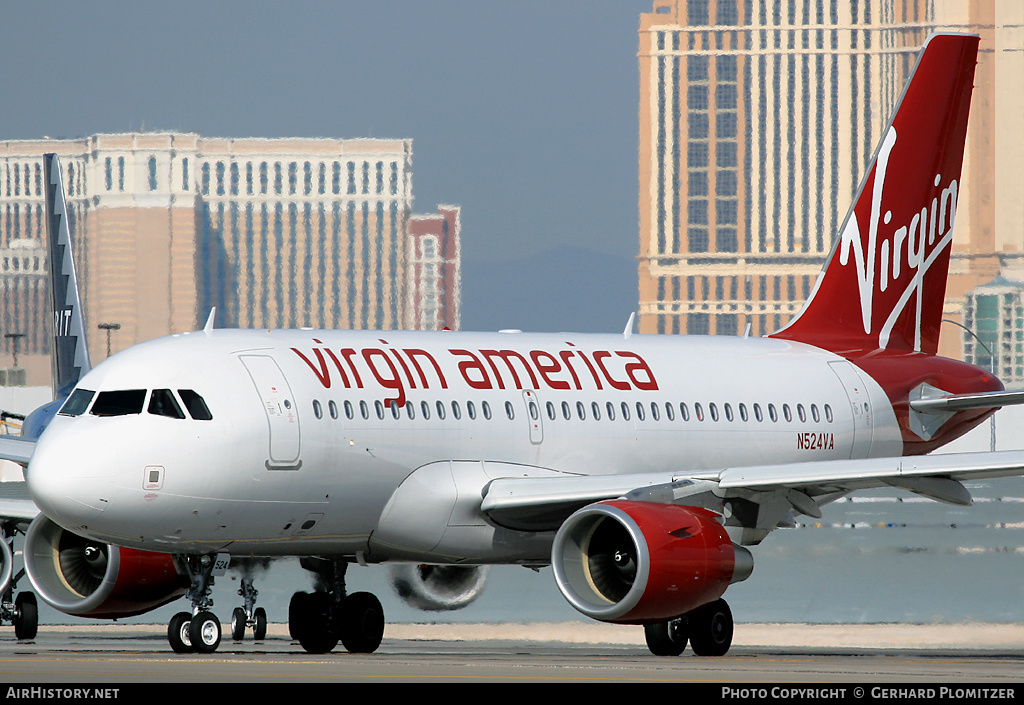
{"points": [[756, 122], [274, 233]]}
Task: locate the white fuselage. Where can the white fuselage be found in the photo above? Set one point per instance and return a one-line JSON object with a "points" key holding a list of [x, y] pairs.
{"points": [[312, 432]]}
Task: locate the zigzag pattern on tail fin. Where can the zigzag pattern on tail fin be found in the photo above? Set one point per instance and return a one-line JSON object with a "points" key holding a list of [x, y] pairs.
{"points": [[70, 357], [885, 280]]}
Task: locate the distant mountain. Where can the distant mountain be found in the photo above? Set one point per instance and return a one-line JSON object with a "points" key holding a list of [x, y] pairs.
{"points": [[565, 289]]}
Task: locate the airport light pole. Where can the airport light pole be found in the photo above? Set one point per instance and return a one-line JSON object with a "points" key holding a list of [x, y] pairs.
{"points": [[109, 327]]}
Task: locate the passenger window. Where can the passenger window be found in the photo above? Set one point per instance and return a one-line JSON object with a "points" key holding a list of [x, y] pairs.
{"points": [[743, 412], [395, 411], [364, 410], [828, 413], [566, 412], [772, 413], [119, 403], [471, 409], [728, 412], [713, 410], [639, 411], [610, 408], [801, 413], [595, 409], [654, 410], [581, 410], [698, 411], [379, 406], [318, 410], [625, 411], [757, 413], [551, 410], [670, 412], [425, 409], [814, 413], [486, 408], [787, 413], [77, 403], [440, 410], [333, 409], [510, 411], [456, 412], [195, 405], [684, 411], [410, 410], [349, 411]]}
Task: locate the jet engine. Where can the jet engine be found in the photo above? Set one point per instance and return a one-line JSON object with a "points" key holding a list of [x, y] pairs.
{"points": [[640, 562], [90, 579], [437, 588]]}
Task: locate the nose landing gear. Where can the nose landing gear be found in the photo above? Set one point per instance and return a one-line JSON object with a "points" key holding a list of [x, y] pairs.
{"points": [[200, 630]]}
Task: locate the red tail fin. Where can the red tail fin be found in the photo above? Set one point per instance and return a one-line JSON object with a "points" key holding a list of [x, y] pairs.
{"points": [[885, 280]]}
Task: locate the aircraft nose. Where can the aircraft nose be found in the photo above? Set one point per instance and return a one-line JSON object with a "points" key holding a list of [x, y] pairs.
{"points": [[65, 481]]}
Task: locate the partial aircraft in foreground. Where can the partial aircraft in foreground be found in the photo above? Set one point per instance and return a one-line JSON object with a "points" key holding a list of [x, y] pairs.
{"points": [[639, 467]]}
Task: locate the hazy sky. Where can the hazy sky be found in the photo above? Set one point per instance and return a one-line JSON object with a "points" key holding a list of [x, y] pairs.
{"points": [[523, 112]]}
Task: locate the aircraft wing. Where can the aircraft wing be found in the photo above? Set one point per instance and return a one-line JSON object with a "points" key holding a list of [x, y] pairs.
{"points": [[540, 503], [16, 449], [15, 502]]}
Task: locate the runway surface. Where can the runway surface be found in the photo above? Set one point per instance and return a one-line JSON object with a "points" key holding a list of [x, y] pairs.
{"points": [[118, 655]]}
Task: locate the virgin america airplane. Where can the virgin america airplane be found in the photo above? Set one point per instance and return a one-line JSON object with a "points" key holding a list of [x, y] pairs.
{"points": [[641, 468]]}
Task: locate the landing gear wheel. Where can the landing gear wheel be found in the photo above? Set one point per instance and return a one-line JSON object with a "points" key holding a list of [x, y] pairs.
{"points": [[309, 619], [259, 631], [666, 638], [204, 632], [710, 629], [177, 633], [238, 620], [362, 623], [26, 620]]}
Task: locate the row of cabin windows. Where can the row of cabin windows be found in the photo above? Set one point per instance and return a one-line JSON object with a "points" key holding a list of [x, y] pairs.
{"points": [[655, 411]]}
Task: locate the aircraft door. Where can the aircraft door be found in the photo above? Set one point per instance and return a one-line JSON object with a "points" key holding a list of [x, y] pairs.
{"points": [[280, 408], [533, 416], [860, 405]]}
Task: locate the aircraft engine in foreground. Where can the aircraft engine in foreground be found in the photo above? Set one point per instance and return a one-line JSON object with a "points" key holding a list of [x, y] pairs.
{"points": [[640, 562]]}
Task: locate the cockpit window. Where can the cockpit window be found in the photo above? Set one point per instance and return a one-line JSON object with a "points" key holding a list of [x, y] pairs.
{"points": [[163, 403], [197, 408], [119, 403], [77, 403]]}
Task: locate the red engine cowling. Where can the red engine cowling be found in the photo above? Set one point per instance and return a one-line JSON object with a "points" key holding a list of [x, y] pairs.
{"points": [[638, 562], [88, 579]]}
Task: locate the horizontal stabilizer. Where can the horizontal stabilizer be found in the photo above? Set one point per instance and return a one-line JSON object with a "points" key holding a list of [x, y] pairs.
{"points": [[960, 402]]}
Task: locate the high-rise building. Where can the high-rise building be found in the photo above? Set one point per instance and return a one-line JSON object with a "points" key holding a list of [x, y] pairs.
{"points": [[274, 233], [434, 257], [757, 120]]}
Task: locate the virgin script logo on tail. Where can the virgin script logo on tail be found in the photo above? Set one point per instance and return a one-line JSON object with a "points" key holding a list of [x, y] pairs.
{"points": [[897, 257]]}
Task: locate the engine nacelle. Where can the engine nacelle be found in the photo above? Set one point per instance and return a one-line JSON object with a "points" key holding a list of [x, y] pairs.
{"points": [[89, 579], [437, 588], [638, 562]]}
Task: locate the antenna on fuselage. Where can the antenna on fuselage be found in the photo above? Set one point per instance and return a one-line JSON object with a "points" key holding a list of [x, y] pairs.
{"points": [[209, 321], [629, 326]]}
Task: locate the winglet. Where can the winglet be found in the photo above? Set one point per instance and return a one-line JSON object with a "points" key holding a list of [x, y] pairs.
{"points": [[70, 359]]}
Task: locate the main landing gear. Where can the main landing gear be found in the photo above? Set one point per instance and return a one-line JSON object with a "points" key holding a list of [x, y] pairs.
{"points": [[708, 629], [21, 611], [320, 619]]}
